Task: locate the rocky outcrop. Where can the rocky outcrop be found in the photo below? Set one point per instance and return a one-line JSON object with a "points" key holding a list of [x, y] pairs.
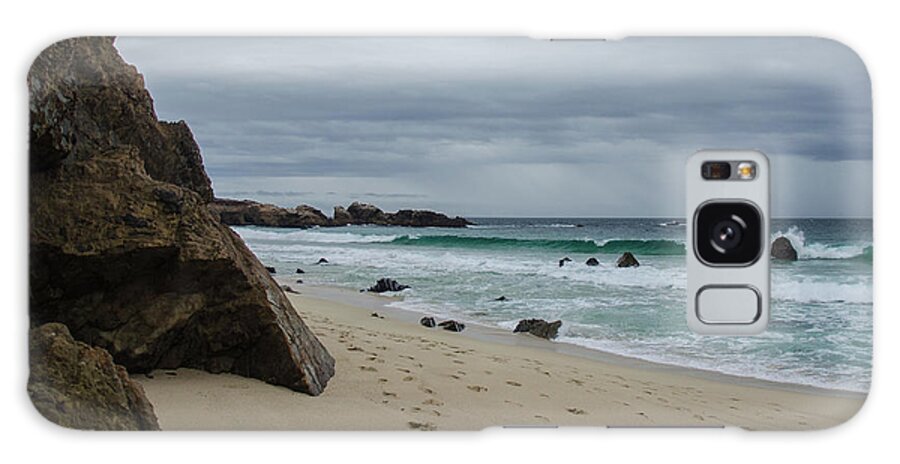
{"points": [[341, 217], [782, 248], [123, 247], [246, 212], [592, 262], [539, 328], [77, 386], [627, 260], [421, 218], [427, 321], [84, 99], [387, 285], [565, 260]]}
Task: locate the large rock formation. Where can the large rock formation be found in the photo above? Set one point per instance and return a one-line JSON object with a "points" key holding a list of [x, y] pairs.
{"points": [[783, 249], [80, 387], [124, 249], [247, 212]]}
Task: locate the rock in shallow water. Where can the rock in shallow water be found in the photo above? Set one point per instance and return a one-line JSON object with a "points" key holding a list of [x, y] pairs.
{"points": [[627, 260], [171, 286], [539, 328], [77, 386], [592, 262], [782, 248], [387, 285], [427, 321]]}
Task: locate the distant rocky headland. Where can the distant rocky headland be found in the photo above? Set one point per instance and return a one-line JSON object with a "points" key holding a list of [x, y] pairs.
{"points": [[128, 266], [248, 212]]}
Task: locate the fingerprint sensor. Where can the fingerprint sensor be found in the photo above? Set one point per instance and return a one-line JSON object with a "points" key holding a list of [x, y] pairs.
{"points": [[728, 304]]}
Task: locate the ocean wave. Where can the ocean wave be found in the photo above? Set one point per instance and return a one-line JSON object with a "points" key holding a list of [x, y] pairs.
{"points": [[816, 250], [639, 247]]}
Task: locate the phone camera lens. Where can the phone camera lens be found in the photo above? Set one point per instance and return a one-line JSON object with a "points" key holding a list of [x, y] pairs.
{"points": [[728, 233]]}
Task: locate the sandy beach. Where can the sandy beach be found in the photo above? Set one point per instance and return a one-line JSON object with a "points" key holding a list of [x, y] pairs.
{"points": [[393, 374]]}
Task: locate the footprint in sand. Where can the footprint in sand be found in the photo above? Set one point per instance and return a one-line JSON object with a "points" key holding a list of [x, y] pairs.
{"points": [[576, 411], [427, 390], [541, 418], [408, 378], [426, 426], [433, 402], [544, 395], [513, 383], [513, 403], [382, 380], [354, 348], [477, 388], [368, 369]]}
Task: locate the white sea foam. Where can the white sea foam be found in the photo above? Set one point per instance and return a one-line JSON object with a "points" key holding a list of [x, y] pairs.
{"points": [[312, 236]]}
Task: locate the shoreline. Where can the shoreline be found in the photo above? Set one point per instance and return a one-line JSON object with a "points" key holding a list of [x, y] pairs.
{"points": [[483, 332], [394, 374]]}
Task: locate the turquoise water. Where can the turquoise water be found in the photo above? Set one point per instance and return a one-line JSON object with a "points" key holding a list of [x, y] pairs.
{"points": [[820, 332]]}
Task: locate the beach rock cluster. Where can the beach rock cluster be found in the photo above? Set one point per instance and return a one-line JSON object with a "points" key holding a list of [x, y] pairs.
{"points": [[78, 386], [124, 249], [539, 328], [783, 249], [387, 285], [449, 325], [247, 212]]}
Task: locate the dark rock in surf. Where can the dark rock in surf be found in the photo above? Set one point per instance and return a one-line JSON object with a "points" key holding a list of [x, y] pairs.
{"points": [[299, 271], [270, 269], [592, 262], [452, 326], [427, 321], [783, 249], [79, 386], [387, 285], [539, 328], [322, 261], [565, 260], [298, 281], [627, 260], [377, 316], [502, 298]]}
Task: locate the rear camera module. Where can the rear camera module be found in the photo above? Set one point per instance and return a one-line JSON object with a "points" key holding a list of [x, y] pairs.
{"points": [[728, 233]]}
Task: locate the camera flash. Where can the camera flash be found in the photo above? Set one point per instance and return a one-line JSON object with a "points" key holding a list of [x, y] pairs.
{"points": [[746, 170]]}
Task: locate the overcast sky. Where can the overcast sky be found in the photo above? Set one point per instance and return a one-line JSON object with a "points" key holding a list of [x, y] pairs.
{"points": [[514, 126]]}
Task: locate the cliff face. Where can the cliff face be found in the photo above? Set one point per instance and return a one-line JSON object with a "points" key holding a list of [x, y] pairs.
{"points": [[124, 250]]}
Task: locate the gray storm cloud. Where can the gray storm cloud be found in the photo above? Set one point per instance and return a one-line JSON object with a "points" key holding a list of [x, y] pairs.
{"points": [[514, 126]]}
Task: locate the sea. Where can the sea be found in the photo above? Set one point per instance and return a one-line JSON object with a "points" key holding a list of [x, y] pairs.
{"points": [[820, 331]]}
